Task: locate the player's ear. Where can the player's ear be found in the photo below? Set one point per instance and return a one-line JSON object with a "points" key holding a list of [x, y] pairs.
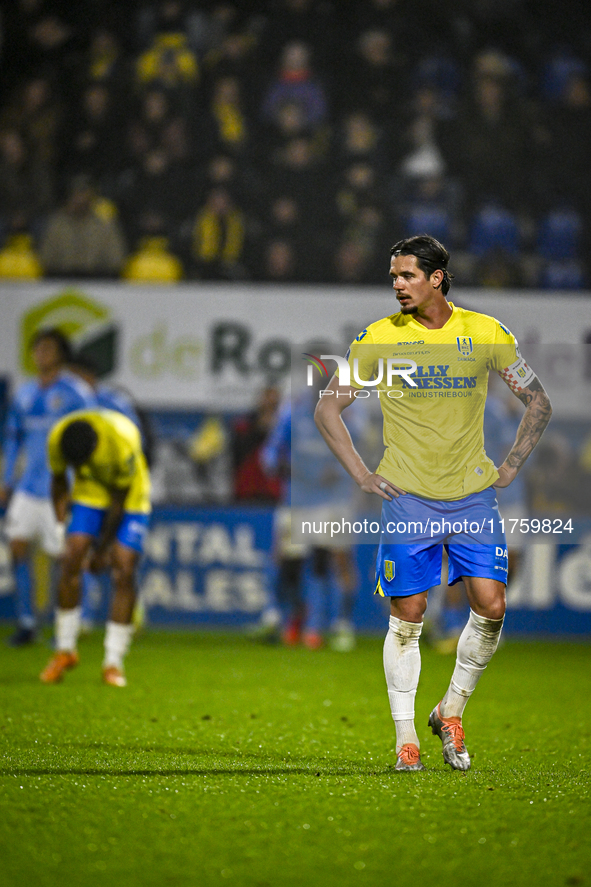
{"points": [[436, 279]]}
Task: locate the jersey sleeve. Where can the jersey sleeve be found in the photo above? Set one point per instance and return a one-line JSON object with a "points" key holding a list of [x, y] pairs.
{"points": [[13, 437], [508, 362], [361, 358]]}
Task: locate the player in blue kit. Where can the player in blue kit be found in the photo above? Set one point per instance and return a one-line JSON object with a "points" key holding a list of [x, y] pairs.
{"points": [[36, 407], [429, 364]]}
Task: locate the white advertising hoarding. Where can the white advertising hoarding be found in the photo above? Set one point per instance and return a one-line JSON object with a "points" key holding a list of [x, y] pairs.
{"points": [[211, 346]]}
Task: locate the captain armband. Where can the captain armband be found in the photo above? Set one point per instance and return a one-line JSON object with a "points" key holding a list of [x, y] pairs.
{"points": [[518, 376]]}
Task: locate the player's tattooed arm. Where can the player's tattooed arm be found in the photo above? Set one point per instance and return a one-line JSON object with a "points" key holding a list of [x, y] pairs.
{"points": [[538, 411]]}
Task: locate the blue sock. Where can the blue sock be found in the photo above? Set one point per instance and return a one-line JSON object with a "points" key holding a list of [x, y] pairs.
{"points": [[24, 603], [315, 597]]}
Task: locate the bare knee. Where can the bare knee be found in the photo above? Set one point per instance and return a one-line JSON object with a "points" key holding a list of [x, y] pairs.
{"points": [[409, 609], [493, 609]]}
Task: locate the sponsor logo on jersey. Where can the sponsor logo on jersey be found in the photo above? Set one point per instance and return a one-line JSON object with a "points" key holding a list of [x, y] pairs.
{"points": [[389, 570], [418, 342], [56, 402], [464, 345], [436, 376]]}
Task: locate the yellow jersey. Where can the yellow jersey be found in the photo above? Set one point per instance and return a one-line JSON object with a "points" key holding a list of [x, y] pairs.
{"points": [[432, 385], [117, 462]]}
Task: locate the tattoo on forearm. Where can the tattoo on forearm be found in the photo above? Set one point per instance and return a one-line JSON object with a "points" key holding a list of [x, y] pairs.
{"points": [[537, 416]]}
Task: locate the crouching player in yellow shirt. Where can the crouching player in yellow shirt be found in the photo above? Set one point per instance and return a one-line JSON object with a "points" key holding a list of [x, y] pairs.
{"points": [[109, 501]]}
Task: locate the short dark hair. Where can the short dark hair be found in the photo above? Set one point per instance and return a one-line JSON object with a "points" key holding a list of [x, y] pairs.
{"points": [[78, 442], [430, 255], [57, 336]]}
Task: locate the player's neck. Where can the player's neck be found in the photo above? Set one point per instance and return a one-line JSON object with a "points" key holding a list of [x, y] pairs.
{"points": [[47, 377], [434, 316]]}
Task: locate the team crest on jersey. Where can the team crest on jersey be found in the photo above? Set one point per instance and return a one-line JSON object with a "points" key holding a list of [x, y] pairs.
{"points": [[464, 345], [56, 402], [389, 570]]}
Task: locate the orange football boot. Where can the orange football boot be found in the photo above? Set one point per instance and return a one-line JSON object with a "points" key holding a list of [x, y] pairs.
{"points": [[63, 661], [409, 758], [113, 676]]}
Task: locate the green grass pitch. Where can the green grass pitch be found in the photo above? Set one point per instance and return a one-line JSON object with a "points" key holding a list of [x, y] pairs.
{"points": [[224, 761]]}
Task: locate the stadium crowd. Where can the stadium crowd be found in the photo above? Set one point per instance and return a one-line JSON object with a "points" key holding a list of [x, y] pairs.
{"points": [[294, 140]]}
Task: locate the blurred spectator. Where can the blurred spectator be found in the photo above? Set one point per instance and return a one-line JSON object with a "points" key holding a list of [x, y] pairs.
{"points": [[18, 260], [494, 241], [218, 237], [26, 184], [105, 62], [41, 35], [370, 77], [157, 188], [568, 172], [35, 112], [169, 63], [91, 139], [359, 140], [158, 126], [316, 24], [421, 141], [296, 169], [279, 261], [231, 127], [153, 263], [249, 433], [80, 242], [358, 259], [296, 84], [494, 142]]}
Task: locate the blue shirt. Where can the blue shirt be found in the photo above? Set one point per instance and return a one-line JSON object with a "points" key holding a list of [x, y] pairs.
{"points": [[317, 477], [115, 399], [32, 414]]}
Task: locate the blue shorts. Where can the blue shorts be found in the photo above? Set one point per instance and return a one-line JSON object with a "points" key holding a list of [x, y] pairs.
{"points": [[131, 532], [415, 530]]}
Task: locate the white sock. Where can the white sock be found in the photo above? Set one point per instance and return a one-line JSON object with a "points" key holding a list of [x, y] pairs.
{"points": [[476, 645], [67, 629], [117, 642], [402, 666]]}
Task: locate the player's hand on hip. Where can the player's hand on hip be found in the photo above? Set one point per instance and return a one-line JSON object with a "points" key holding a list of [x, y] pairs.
{"points": [[385, 489], [506, 476]]}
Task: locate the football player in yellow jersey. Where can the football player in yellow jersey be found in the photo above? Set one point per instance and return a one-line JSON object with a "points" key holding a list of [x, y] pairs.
{"points": [[435, 478], [109, 501]]}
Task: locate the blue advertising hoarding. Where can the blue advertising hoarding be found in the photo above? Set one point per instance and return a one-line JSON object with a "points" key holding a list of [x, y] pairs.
{"points": [[213, 567]]}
